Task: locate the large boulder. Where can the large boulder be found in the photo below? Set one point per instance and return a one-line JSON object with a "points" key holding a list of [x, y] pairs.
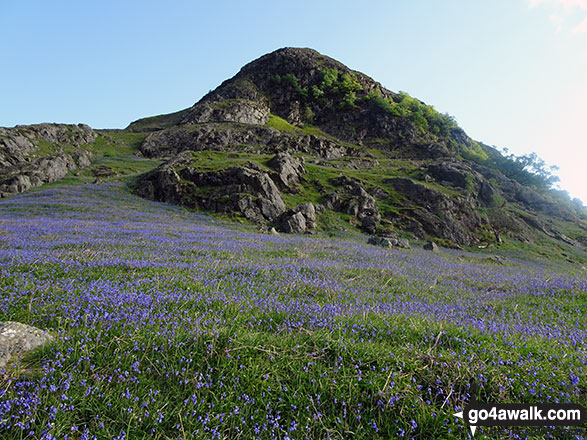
{"points": [[17, 339], [300, 219], [430, 246]]}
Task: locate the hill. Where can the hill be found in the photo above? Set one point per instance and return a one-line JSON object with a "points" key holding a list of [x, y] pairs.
{"points": [[298, 142], [296, 136]]}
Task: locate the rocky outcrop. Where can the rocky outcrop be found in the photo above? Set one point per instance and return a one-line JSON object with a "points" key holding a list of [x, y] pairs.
{"points": [[230, 137], [243, 111], [24, 164], [449, 173], [21, 143], [436, 214], [245, 189], [288, 169], [17, 339], [353, 199], [22, 177], [300, 219], [514, 192]]}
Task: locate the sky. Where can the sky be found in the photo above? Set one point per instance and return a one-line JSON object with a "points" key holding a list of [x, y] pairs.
{"points": [[512, 72]]}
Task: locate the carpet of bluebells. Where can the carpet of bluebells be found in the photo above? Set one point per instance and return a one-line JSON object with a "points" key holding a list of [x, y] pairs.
{"points": [[170, 324]]}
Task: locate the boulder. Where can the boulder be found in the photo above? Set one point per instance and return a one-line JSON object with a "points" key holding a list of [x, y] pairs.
{"points": [[431, 246], [300, 219], [389, 241], [17, 338], [294, 224]]}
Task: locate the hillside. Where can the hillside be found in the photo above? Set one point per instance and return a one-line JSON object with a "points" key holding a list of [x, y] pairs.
{"points": [[122, 317], [295, 128]]}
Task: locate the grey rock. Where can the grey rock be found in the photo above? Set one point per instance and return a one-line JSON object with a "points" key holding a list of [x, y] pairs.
{"points": [[300, 219], [353, 199], [308, 210], [389, 241], [452, 173], [242, 111], [289, 169], [246, 189], [21, 168], [294, 224], [17, 339], [379, 241], [497, 259], [431, 246], [238, 137], [436, 214], [403, 243]]}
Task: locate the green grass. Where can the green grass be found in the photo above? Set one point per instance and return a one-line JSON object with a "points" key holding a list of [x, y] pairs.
{"points": [[316, 131], [281, 124], [158, 122]]}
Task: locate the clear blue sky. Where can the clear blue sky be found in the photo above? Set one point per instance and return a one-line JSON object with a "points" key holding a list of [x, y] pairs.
{"points": [[512, 72]]}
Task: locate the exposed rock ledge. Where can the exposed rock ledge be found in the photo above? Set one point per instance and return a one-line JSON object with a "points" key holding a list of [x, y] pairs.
{"points": [[23, 165]]}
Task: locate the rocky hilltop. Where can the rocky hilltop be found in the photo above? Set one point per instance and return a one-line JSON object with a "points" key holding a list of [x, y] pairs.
{"points": [[299, 142], [296, 136], [31, 155]]}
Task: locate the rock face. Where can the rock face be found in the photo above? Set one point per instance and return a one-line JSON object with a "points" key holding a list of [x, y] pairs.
{"points": [[23, 167], [242, 138], [437, 214], [243, 111], [246, 189], [289, 170], [353, 199], [17, 339]]}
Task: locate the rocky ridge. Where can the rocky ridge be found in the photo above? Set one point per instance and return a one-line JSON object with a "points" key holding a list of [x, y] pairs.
{"points": [[32, 155]]}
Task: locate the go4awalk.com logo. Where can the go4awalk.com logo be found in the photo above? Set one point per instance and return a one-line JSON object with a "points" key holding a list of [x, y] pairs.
{"points": [[521, 414]]}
